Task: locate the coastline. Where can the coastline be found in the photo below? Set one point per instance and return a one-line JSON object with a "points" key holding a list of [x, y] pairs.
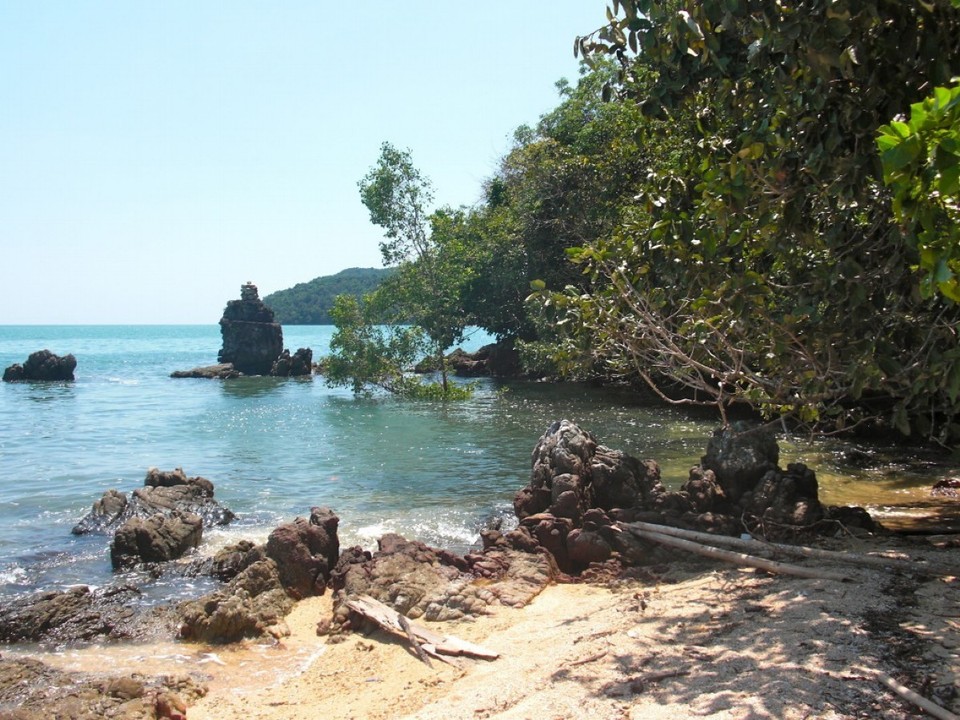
{"points": [[688, 639]]}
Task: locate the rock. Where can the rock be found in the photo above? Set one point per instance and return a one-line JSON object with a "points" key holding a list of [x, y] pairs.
{"points": [[221, 371], [739, 456], [81, 614], [786, 498], [948, 487], [252, 604], [164, 492], [306, 552], [296, 365], [159, 538], [42, 365], [32, 690], [230, 561], [252, 341], [578, 488]]}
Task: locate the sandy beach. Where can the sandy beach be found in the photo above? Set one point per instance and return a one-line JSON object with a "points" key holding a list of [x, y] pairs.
{"points": [[689, 639]]}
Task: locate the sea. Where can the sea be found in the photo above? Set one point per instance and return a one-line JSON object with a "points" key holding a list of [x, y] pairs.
{"points": [[438, 472]]}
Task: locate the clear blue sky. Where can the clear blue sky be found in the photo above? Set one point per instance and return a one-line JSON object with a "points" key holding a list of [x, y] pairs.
{"points": [[156, 155]]}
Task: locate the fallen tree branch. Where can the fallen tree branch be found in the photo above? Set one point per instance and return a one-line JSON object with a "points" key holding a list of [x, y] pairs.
{"points": [[796, 550], [433, 643], [412, 639], [733, 557], [928, 706]]}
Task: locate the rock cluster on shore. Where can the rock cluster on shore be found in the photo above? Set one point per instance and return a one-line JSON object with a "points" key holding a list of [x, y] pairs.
{"points": [[42, 365], [579, 488]]}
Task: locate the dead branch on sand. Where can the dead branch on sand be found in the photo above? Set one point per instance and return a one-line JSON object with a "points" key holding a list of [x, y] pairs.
{"points": [[422, 639], [736, 558]]}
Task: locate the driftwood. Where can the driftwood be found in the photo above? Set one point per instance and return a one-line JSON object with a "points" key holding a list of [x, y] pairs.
{"points": [[421, 638], [729, 556], [928, 706], [755, 545]]}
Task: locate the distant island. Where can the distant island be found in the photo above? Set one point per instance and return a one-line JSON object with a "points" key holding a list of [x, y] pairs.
{"points": [[309, 303]]}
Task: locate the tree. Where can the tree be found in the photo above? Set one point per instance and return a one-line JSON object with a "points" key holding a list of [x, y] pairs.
{"points": [[365, 353], [423, 292], [760, 262]]}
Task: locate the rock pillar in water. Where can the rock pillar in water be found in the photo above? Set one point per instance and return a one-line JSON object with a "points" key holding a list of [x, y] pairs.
{"points": [[252, 341]]}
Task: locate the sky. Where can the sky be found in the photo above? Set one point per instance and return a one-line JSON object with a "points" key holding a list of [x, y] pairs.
{"points": [[154, 156]]}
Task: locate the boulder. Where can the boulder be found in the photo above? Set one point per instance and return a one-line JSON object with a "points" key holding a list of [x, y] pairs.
{"points": [[42, 365], [296, 365], [739, 456], [306, 552], [252, 340], [252, 604], [164, 493], [80, 614], [159, 538]]}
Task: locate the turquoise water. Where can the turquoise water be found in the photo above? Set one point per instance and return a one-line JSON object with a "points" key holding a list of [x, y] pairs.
{"points": [[276, 447], [273, 447]]}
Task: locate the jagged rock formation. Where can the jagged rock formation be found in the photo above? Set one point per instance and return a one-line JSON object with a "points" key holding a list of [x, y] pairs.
{"points": [[578, 488], [42, 365], [252, 341], [164, 493], [265, 580], [252, 344]]}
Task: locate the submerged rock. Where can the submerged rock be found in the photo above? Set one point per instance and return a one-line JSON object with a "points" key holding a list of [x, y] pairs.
{"points": [[221, 371], [42, 365]]}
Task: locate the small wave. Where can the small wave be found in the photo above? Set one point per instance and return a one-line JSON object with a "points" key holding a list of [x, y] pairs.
{"points": [[15, 575]]}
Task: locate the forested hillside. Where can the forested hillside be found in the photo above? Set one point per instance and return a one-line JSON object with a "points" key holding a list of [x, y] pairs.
{"points": [[309, 303]]}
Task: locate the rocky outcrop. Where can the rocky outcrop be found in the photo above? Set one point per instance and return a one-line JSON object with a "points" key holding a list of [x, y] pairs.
{"points": [[42, 365], [252, 341], [579, 488], [164, 493], [438, 585], [296, 365], [82, 614], [32, 690], [496, 360], [306, 551], [253, 603], [159, 538], [264, 581], [252, 344]]}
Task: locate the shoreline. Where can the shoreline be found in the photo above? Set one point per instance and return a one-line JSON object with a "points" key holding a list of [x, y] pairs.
{"points": [[690, 639]]}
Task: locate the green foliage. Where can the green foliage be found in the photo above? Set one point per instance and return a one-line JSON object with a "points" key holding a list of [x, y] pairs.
{"points": [[426, 289], [921, 164], [563, 184], [759, 260], [310, 303], [367, 355]]}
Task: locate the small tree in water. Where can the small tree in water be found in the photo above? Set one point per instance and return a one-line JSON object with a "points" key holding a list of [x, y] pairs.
{"points": [[417, 310]]}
